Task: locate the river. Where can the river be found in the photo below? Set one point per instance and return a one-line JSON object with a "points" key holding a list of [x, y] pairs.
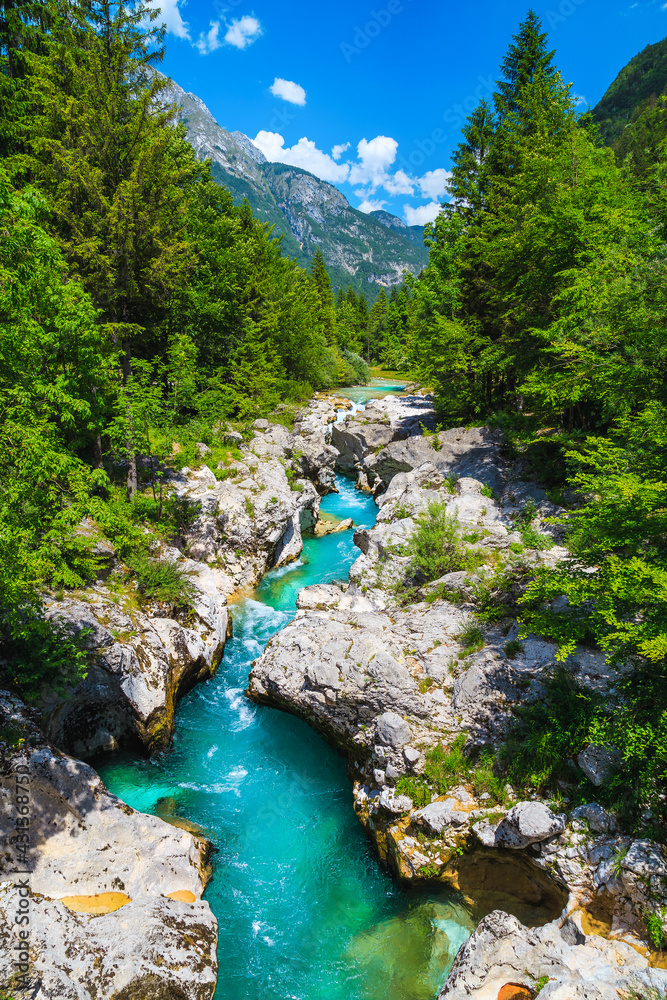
{"points": [[304, 910]]}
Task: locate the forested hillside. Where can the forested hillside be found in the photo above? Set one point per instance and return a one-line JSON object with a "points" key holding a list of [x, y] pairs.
{"points": [[542, 311], [638, 85], [362, 252], [138, 305]]}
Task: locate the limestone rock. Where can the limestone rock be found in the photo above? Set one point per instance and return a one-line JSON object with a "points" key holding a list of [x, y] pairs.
{"points": [[393, 730], [598, 763], [92, 850], [526, 823], [437, 816], [141, 664], [503, 951]]}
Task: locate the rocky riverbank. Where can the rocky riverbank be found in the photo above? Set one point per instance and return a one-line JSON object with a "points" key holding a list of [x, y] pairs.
{"points": [[387, 682], [114, 896]]}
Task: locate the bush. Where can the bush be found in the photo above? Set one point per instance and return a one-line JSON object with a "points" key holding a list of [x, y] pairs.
{"points": [[435, 546], [446, 768], [546, 735], [162, 581], [40, 652], [655, 930], [361, 370]]}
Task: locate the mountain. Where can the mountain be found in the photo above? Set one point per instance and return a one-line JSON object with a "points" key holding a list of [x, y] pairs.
{"points": [[360, 250], [413, 233], [635, 89]]}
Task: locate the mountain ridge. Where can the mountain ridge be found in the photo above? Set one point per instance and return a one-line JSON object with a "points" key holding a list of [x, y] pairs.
{"points": [[360, 250]]}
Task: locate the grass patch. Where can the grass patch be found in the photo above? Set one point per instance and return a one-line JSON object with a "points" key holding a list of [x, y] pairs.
{"points": [[655, 930], [471, 638], [416, 789], [447, 767], [162, 581]]}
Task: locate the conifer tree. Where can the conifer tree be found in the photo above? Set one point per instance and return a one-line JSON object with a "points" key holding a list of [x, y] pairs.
{"points": [[327, 309], [467, 183], [526, 61], [102, 145]]}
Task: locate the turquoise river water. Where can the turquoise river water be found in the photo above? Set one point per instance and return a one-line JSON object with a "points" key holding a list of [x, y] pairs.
{"points": [[304, 910]]}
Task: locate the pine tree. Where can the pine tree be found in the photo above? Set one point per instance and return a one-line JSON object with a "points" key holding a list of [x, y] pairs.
{"points": [[103, 147], [526, 61], [327, 309], [467, 184]]}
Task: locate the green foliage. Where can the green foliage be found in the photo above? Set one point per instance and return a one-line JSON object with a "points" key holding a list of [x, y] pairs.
{"points": [[159, 580], [655, 929], [540, 983], [548, 733], [41, 652], [445, 768], [513, 648], [471, 638], [435, 547], [414, 788]]}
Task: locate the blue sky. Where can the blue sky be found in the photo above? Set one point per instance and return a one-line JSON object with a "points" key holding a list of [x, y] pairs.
{"points": [[371, 97]]}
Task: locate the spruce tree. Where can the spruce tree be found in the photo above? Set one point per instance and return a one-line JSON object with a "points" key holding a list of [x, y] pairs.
{"points": [[327, 310], [103, 146], [526, 61], [467, 184]]}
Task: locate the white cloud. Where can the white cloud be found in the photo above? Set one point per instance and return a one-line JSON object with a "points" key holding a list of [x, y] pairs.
{"points": [[368, 205], [421, 215], [209, 41], [434, 183], [304, 154], [376, 156], [289, 91], [338, 151], [242, 32], [171, 17], [580, 100]]}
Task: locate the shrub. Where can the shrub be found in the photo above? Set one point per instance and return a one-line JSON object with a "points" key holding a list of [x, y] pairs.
{"points": [[40, 652], [655, 930], [547, 734], [435, 547], [471, 638], [533, 539], [162, 581]]}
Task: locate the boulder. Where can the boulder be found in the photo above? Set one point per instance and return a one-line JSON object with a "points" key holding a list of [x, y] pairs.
{"points": [[437, 816], [598, 763], [526, 823], [393, 730], [114, 896], [502, 953]]}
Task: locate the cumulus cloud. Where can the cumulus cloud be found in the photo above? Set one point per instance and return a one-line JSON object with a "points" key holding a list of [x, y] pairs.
{"points": [[422, 214], [338, 151], [289, 91], [375, 158], [243, 32], [369, 205], [171, 17], [434, 183], [209, 41], [304, 154]]}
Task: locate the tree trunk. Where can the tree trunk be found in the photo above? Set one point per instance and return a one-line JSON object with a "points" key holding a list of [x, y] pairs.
{"points": [[99, 464], [132, 477]]}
